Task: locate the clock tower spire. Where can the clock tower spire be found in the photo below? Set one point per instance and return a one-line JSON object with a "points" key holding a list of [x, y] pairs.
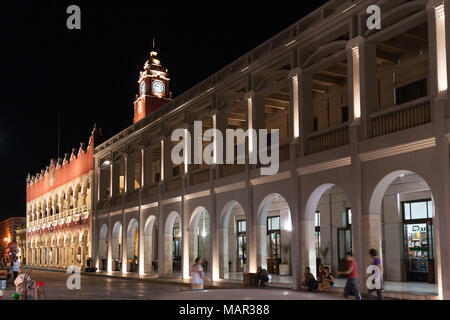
{"points": [[153, 87]]}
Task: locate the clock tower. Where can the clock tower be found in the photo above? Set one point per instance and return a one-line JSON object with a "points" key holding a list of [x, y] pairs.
{"points": [[153, 88]]}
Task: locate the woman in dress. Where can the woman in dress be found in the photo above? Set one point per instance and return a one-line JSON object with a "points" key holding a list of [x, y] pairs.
{"points": [[197, 274]]}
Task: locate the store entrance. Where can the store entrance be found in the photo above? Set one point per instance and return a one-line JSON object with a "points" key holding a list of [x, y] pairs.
{"points": [[274, 245], [418, 236]]}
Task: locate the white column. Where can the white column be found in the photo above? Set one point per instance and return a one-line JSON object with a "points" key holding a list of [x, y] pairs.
{"points": [[162, 160], [295, 75]]}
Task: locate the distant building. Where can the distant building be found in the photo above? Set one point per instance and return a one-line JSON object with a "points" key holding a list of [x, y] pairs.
{"points": [[59, 210], [8, 235], [21, 240]]}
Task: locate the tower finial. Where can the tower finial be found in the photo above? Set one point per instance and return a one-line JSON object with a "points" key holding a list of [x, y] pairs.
{"points": [[154, 43]]}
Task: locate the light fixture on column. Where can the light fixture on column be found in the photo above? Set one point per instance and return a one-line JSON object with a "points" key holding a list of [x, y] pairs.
{"points": [[356, 84], [296, 107], [441, 51], [250, 124], [162, 159], [214, 118], [186, 151]]}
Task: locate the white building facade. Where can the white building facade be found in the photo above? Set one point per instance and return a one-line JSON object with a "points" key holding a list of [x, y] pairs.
{"points": [[364, 161]]}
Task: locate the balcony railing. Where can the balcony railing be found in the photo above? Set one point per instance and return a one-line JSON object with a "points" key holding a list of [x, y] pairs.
{"points": [[173, 184], [133, 195], [152, 191], [402, 117], [328, 139], [199, 176], [67, 213]]}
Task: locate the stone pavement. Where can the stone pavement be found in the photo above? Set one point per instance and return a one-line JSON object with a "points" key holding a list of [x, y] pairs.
{"points": [[111, 288]]}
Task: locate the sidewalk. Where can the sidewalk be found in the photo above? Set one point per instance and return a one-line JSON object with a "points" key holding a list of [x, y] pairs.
{"points": [[237, 284]]}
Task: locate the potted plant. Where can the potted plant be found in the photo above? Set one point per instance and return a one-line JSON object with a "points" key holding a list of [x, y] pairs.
{"points": [[244, 255], [284, 266], [324, 254]]}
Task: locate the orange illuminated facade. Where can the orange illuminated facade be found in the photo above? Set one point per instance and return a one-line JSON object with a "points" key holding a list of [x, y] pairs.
{"points": [[59, 209]]}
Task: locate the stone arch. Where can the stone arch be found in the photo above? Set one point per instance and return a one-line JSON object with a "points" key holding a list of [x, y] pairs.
{"points": [[150, 244], [325, 51], [116, 245], [171, 219], [271, 78], [399, 13], [334, 213], [387, 207], [277, 238], [200, 236], [231, 247], [133, 245]]}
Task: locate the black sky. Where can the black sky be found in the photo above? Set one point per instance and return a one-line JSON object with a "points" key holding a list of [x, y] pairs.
{"points": [[90, 76]]}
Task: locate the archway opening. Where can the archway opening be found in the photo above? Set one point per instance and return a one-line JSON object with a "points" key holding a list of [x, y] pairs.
{"points": [[233, 242], [200, 239], [133, 246], [402, 204], [117, 247], [151, 246], [329, 230], [172, 245], [273, 236], [103, 248]]}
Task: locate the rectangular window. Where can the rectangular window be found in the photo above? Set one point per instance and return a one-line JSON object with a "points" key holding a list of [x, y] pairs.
{"points": [[242, 226], [273, 223], [344, 114], [121, 184], [176, 171], [411, 92], [418, 210], [137, 175], [317, 219], [316, 124]]}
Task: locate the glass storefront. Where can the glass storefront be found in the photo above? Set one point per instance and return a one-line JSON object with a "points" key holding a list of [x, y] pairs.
{"points": [[418, 236], [273, 245], [242, 244]]}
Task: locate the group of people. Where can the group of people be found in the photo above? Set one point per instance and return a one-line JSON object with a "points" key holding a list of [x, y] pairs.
{"points": [[261, 277], [13, 267], [325, 279]]}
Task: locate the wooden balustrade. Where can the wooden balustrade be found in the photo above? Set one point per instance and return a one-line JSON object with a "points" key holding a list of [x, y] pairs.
{"points": [[328, 139], [199, 176], [402, 117], [173, 184]]}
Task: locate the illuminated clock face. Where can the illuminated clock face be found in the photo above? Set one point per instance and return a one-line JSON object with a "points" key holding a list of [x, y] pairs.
{"points": [[158, 87], [143, 88]]}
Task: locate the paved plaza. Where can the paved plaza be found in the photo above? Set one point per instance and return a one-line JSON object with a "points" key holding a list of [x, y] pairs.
{"points": [[106, 288]]}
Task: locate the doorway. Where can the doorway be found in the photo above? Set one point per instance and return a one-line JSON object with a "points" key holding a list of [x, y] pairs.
{"points": [[274, 244], [345, 240], [418, 239]]}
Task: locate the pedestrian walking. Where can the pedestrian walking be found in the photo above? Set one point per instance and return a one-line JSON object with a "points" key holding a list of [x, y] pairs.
{"points": [[352, 285], [15, 267], [376, 261], [197, 274]]}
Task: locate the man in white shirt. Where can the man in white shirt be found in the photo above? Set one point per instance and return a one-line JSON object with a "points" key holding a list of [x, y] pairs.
{"points": [[15, 268]]}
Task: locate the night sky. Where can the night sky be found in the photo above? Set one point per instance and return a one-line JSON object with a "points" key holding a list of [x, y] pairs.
{"points": [[90, 75]]}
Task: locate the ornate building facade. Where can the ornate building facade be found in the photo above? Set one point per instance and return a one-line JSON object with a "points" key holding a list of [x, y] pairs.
{"points": [[59, 210], [364, 157]]}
